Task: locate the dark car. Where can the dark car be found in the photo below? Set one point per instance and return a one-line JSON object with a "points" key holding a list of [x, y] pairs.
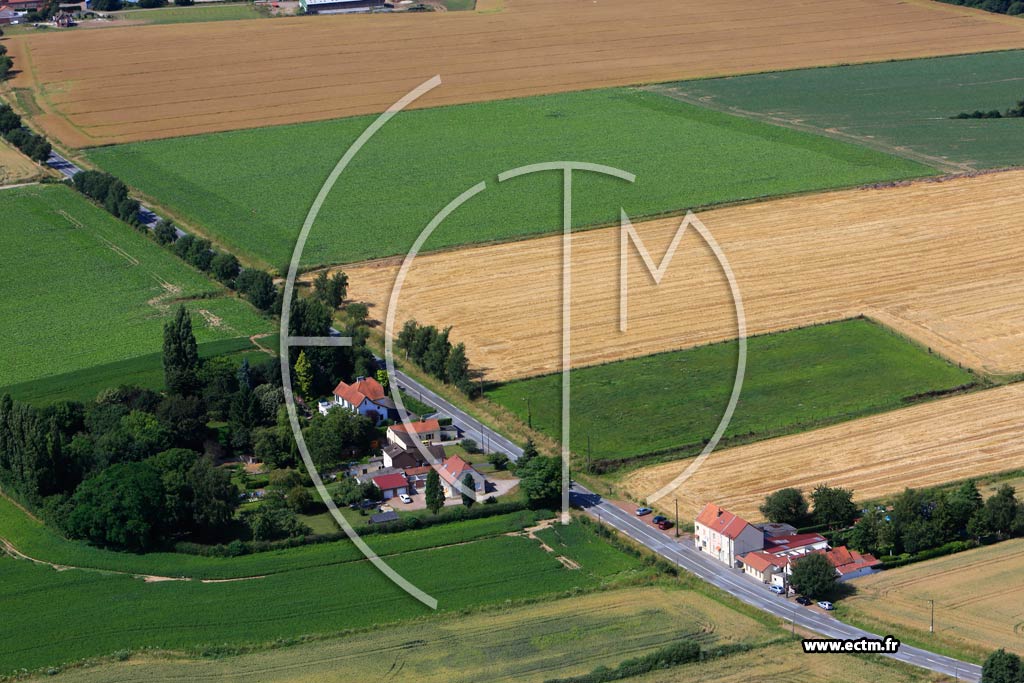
{"points": [[803, 601], [658, 519], [664, 524]]}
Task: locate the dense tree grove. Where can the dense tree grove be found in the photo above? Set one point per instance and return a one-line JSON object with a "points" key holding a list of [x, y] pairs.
{"points": [[330, 291], [1014, 112], [431, 349], [540, 478], [35, 147], [922, 519], [833, 506], [1013, 7], [1002, 667], [127, 469]]}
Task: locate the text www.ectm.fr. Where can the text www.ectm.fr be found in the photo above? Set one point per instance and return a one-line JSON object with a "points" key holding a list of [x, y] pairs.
{"points": [[884, 645]]}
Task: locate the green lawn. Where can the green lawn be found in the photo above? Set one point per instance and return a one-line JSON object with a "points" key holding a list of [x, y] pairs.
{"points": [[905, 103], [252, 189], [53, 617], [142, 371], [794, 380], [182, 15], [82, 289]]}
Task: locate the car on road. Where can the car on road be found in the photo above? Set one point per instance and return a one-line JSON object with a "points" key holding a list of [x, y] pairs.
{"points": [[640, 512], [664, 525], [778, 590], [404, 497], [658, 519], [803, 600], [826, 605]]}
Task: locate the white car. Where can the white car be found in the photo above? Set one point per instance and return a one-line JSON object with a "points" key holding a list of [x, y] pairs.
{"points": [[404, 497], [826, 605]]}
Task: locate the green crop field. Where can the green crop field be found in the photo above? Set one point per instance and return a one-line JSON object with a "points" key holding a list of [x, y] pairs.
{"points": [[527, 644], [251, 189], [903, 104], [82, 289], [195, 13], [673, 401], [55, 617], [40, 542]]}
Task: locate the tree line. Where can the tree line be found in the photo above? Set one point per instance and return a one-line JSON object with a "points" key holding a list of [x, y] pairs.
{"points": [[430, 349], [1014, 112], [35, 147], [1012, 7], [833, 507]]}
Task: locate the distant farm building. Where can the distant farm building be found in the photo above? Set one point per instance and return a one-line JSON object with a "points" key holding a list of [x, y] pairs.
{"points": [[24, 5], [339, 6]]}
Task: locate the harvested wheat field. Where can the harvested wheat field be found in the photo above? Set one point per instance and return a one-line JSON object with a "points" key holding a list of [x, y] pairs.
{"points": [[925, 445], [161, 81], [941, 262], [979, 597], [15, 167]]}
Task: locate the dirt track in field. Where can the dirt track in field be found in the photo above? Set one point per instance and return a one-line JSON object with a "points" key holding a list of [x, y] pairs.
{"points": [[135, 83], [932, 443], [941, 262]]}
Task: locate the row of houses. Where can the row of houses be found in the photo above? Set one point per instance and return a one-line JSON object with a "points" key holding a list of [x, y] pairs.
{"points": [[767, 552]]}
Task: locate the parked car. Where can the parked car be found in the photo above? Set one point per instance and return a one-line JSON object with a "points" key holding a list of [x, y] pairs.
{"points": [[405, 498], [826, 605], [640, 512], [803, 600], [367, 504], [778, 590], [664, 524], [658, 519]]}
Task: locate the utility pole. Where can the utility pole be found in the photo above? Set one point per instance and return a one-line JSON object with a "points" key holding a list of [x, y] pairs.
{"points": [[529, 414], [677, 518], [931, 626]]}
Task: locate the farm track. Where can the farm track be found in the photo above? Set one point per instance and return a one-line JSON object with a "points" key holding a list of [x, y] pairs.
{"points": [[925, 445], [205, 77], [939, 262]]}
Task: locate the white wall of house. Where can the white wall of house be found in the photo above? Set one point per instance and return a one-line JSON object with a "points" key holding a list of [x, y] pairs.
{"points": [[723, 548]]}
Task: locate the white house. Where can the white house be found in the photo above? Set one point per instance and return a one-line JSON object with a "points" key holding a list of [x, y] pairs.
{"points": [[723, 535], [364, 396], [455, 469], [424, 431]]}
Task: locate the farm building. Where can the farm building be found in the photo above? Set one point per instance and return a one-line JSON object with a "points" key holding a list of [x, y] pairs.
{"points": [[7, 15], [426, 431], [339, 6], [724, 536], [24, 5]]}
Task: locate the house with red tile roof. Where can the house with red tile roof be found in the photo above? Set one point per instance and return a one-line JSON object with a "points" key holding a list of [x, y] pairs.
{"points": [[849, 563], [725, 536], [455, 469], [771, 564], [391, 485], [365, 396], [424, 431]]}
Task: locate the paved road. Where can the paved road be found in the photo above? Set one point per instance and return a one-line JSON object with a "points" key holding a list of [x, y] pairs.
{"points": [[684, 555]]}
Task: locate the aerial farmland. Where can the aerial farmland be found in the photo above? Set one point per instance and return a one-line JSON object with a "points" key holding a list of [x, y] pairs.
{"points": [[567, 342]]}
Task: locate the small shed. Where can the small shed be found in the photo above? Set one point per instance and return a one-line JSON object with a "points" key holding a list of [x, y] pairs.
{"points": [[384, 517]]}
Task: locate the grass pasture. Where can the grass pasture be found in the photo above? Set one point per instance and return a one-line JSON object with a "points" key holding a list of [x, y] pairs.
{"points": [[898, 106], [252, 189], [57, 617], [531, 644], [194, 13], [83, 289], [978, 599], [673, 401]]}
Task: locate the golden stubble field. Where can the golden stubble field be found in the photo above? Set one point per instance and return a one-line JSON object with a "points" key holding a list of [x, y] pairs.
{"points": [[925, 445], [979, 597], [941, 262], [135, 83], [15, 167]]}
